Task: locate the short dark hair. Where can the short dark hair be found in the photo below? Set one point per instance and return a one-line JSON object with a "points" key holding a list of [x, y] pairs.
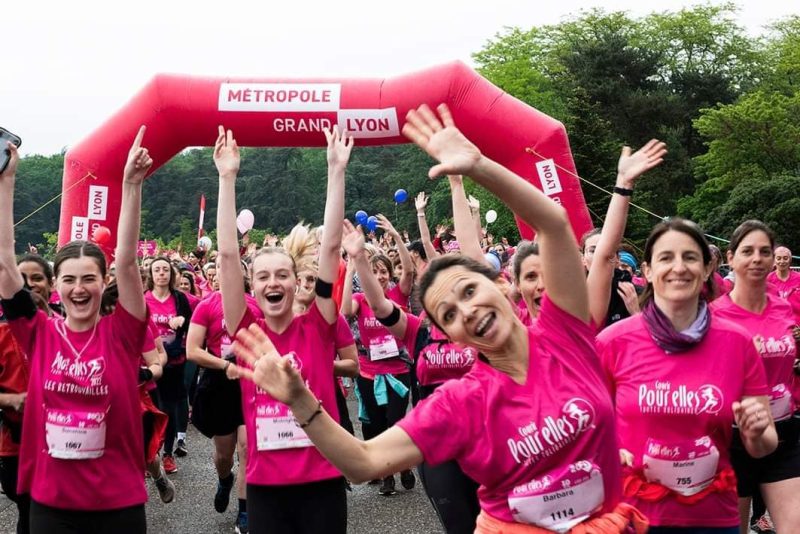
{"points": [[419, 248], [445, 262], [746, 228], [380, 258], [523, 251], [79, 249], [686, 227], [41, 262]]}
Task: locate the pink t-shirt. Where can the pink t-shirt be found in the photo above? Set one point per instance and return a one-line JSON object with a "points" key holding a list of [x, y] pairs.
{"points": [[524, 314], [82, 444], [344, 336], [782, 288], [439, 360], [149, 344], [771, 332], [275, 458], [193, 301], [676, 402], [525, 442], [209, 314], [162, 313], [378, 341]]}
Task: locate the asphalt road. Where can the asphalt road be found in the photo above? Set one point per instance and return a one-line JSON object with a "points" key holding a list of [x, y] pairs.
{"points": [[192, 512]]}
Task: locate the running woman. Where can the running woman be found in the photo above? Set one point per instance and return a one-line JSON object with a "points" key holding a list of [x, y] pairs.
{"points": [[285, 473], [82, 456]]}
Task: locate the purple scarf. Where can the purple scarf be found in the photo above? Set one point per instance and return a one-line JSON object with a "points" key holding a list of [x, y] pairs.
{"points": [[665, 335]]}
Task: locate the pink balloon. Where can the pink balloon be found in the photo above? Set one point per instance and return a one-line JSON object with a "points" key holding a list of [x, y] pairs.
{"points": [[245, 221], [101, 235]]}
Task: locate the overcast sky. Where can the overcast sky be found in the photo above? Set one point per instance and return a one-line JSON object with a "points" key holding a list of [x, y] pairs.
{"points": [[67, 66]]}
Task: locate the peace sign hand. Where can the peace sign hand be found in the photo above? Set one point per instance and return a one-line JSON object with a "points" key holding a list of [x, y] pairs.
{"points": [[441, 140], [139, 160]]}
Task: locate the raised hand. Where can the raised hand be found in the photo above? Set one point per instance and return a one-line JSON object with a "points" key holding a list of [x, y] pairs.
{"points": [[266, 368], [421, 202], [627, 291], [474, 204], [226, 154], [11, 169], [631, 166], [352, 240], [139, 160], [386, 225], [439, 137], [339, 147]]}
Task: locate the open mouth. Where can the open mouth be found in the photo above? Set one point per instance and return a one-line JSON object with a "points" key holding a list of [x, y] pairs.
{"points": [[80, 302], [485, 324], [274, 297]]}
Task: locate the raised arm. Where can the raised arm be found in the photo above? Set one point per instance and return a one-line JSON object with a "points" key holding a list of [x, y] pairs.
{"points": [[349, 306], [421, 203], [231, 280], [339, 148], [10, 277], [630, 167], [129, 281], [353, 243], [561, 262], [407, 280], [468, 239]]}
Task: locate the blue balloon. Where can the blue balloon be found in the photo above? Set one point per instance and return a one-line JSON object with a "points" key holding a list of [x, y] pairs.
{"points": [[372, 223], [361, 217], [400, 196]]}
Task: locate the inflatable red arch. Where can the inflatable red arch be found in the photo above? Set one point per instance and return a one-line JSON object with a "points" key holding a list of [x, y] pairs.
{"points": [[183, 111]]}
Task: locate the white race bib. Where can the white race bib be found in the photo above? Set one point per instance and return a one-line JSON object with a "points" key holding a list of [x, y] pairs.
{"points": [[382, 348], [74, 435], [781, 405], [685, 468], [276, 428], [561, 499]]}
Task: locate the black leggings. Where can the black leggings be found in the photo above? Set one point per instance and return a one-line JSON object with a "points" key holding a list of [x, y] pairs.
{"points": [[453, 495], [172, 391], [313, 508], [341, 404], [9, 467], [382, 417], [48, 520]]}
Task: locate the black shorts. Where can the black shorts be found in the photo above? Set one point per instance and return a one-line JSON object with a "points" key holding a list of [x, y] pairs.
{"points": [[48, 520], [313, 508], [217, 408], [171, 386], [782, 464]]}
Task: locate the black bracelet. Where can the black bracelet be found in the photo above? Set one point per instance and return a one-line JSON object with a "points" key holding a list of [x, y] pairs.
{"points": [[323, 289], [392, 318], [313, 415], [624, 192]]}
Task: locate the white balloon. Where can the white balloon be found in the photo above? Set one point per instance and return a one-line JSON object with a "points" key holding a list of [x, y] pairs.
{"points": [[245, 221], [491, 216], [204, 242]]}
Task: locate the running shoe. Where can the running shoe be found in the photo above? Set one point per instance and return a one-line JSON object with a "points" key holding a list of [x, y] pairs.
{"points": [[223, 495], [763, 525], [407, 479], [388, 487], [180, 449], [169, 464], [166, 489], [241, 523]]}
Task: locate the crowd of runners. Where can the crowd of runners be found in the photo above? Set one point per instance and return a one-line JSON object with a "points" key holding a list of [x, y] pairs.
{"points": [[553, 385]]}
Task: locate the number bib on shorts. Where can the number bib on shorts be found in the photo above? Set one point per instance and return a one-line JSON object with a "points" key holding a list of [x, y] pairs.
{"points": [[75, 435], [561, 499], [382, 348], [685, 468], [276, 428], [781, 405]]}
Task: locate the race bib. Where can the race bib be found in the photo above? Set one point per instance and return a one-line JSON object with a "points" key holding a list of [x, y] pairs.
{"points": [[276, 428], [382, 348], [226, 347], [685, 468], [561, 499], [781, 405], [74, 435]]}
